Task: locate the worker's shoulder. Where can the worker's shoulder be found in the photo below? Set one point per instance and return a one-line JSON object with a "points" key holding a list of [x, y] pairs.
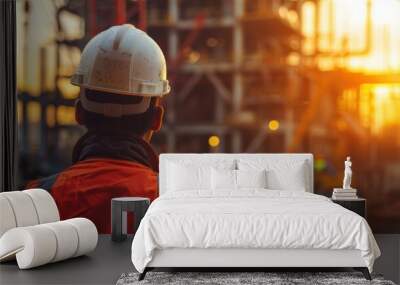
{"points": [[108, 164], [97, 170]]}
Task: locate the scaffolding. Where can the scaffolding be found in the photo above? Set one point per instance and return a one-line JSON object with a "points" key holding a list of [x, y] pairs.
{"points": [[243, 71], [214, 60], [235, 67]]}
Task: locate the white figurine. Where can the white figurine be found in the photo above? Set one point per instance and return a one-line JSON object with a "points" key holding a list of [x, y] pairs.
{"points": [[347, 174]]}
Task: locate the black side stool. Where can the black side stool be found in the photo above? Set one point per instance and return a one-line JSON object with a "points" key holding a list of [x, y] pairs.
{"points": [[119, 207]]}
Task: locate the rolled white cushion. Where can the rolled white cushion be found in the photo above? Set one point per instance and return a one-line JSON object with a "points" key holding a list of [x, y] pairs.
{"points": [[67, 240], [7, 218], [40, 244], [23, 208], [33, 246], [87, 235], [45, 205], [26, 208]]}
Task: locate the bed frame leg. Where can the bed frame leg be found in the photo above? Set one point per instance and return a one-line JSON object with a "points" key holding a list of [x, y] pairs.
{"points": [[143, 274], [364, 271]]}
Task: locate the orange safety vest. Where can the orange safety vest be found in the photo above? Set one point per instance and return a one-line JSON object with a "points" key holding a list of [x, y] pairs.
{"points": [[86, 188]]}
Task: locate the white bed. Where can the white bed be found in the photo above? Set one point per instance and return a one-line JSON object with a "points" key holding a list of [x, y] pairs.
{"points": [[249, 227]]}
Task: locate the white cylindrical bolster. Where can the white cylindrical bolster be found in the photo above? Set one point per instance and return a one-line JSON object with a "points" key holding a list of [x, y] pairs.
{"points": [[26, 208], [87, 235], [45, 205], [67, 240], [23, 208], [40, 244], [7, 218], [32, 246]]}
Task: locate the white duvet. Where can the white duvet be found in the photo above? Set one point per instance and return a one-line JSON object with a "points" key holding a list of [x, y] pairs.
{"points": [[250, 219]]}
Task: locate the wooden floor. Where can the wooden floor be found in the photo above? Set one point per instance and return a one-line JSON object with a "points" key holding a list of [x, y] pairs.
{"points": [[110, 260]]}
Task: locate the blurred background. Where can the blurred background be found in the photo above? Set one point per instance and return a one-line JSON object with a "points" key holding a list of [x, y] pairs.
{"points": [[319, 76]]}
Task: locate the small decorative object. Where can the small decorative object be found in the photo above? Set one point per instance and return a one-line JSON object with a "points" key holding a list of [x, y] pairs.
{"points": [[347, 174], [347, 192]]}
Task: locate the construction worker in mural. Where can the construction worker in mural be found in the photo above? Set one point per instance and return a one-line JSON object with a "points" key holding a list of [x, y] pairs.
{"points": [[122, 76]]}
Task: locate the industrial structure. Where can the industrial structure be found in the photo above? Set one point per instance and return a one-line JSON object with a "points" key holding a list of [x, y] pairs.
{"points": [[246, 76]]}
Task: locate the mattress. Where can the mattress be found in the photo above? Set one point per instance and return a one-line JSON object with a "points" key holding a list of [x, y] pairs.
{"points": [[251, 219]]}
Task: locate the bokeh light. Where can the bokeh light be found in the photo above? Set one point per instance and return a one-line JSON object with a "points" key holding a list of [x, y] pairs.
{"points": [[213, 141], [273, 125]]}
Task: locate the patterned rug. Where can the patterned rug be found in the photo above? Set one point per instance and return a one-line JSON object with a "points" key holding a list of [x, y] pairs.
{"points": [[231, 278]]}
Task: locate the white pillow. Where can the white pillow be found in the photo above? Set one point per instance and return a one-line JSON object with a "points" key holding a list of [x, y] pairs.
{"points": [[281, 175], [223, 179], [182, 177], [251, 178], [291, 178]]}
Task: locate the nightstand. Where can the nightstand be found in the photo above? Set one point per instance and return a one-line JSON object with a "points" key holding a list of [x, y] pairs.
{"points": [[358, 205]]}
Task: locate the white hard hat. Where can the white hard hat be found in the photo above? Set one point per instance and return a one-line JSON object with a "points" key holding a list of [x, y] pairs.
{"points": [[122, 60]]}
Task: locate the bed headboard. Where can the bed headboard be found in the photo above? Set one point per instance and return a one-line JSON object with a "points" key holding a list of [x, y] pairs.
{"points": [[209, 158]]}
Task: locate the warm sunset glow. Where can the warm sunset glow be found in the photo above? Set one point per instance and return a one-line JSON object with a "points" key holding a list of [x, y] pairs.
{"points": [[377, 105], [386, 104], [342, 30], [342, 42], [335, 37]]}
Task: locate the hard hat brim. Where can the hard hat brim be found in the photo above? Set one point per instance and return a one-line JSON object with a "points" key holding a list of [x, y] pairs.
{"points": [[114, 109], [137, 88]]}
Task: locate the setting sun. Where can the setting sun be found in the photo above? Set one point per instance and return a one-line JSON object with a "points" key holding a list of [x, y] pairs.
{"points": [[343, 34], [360, 36]]}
